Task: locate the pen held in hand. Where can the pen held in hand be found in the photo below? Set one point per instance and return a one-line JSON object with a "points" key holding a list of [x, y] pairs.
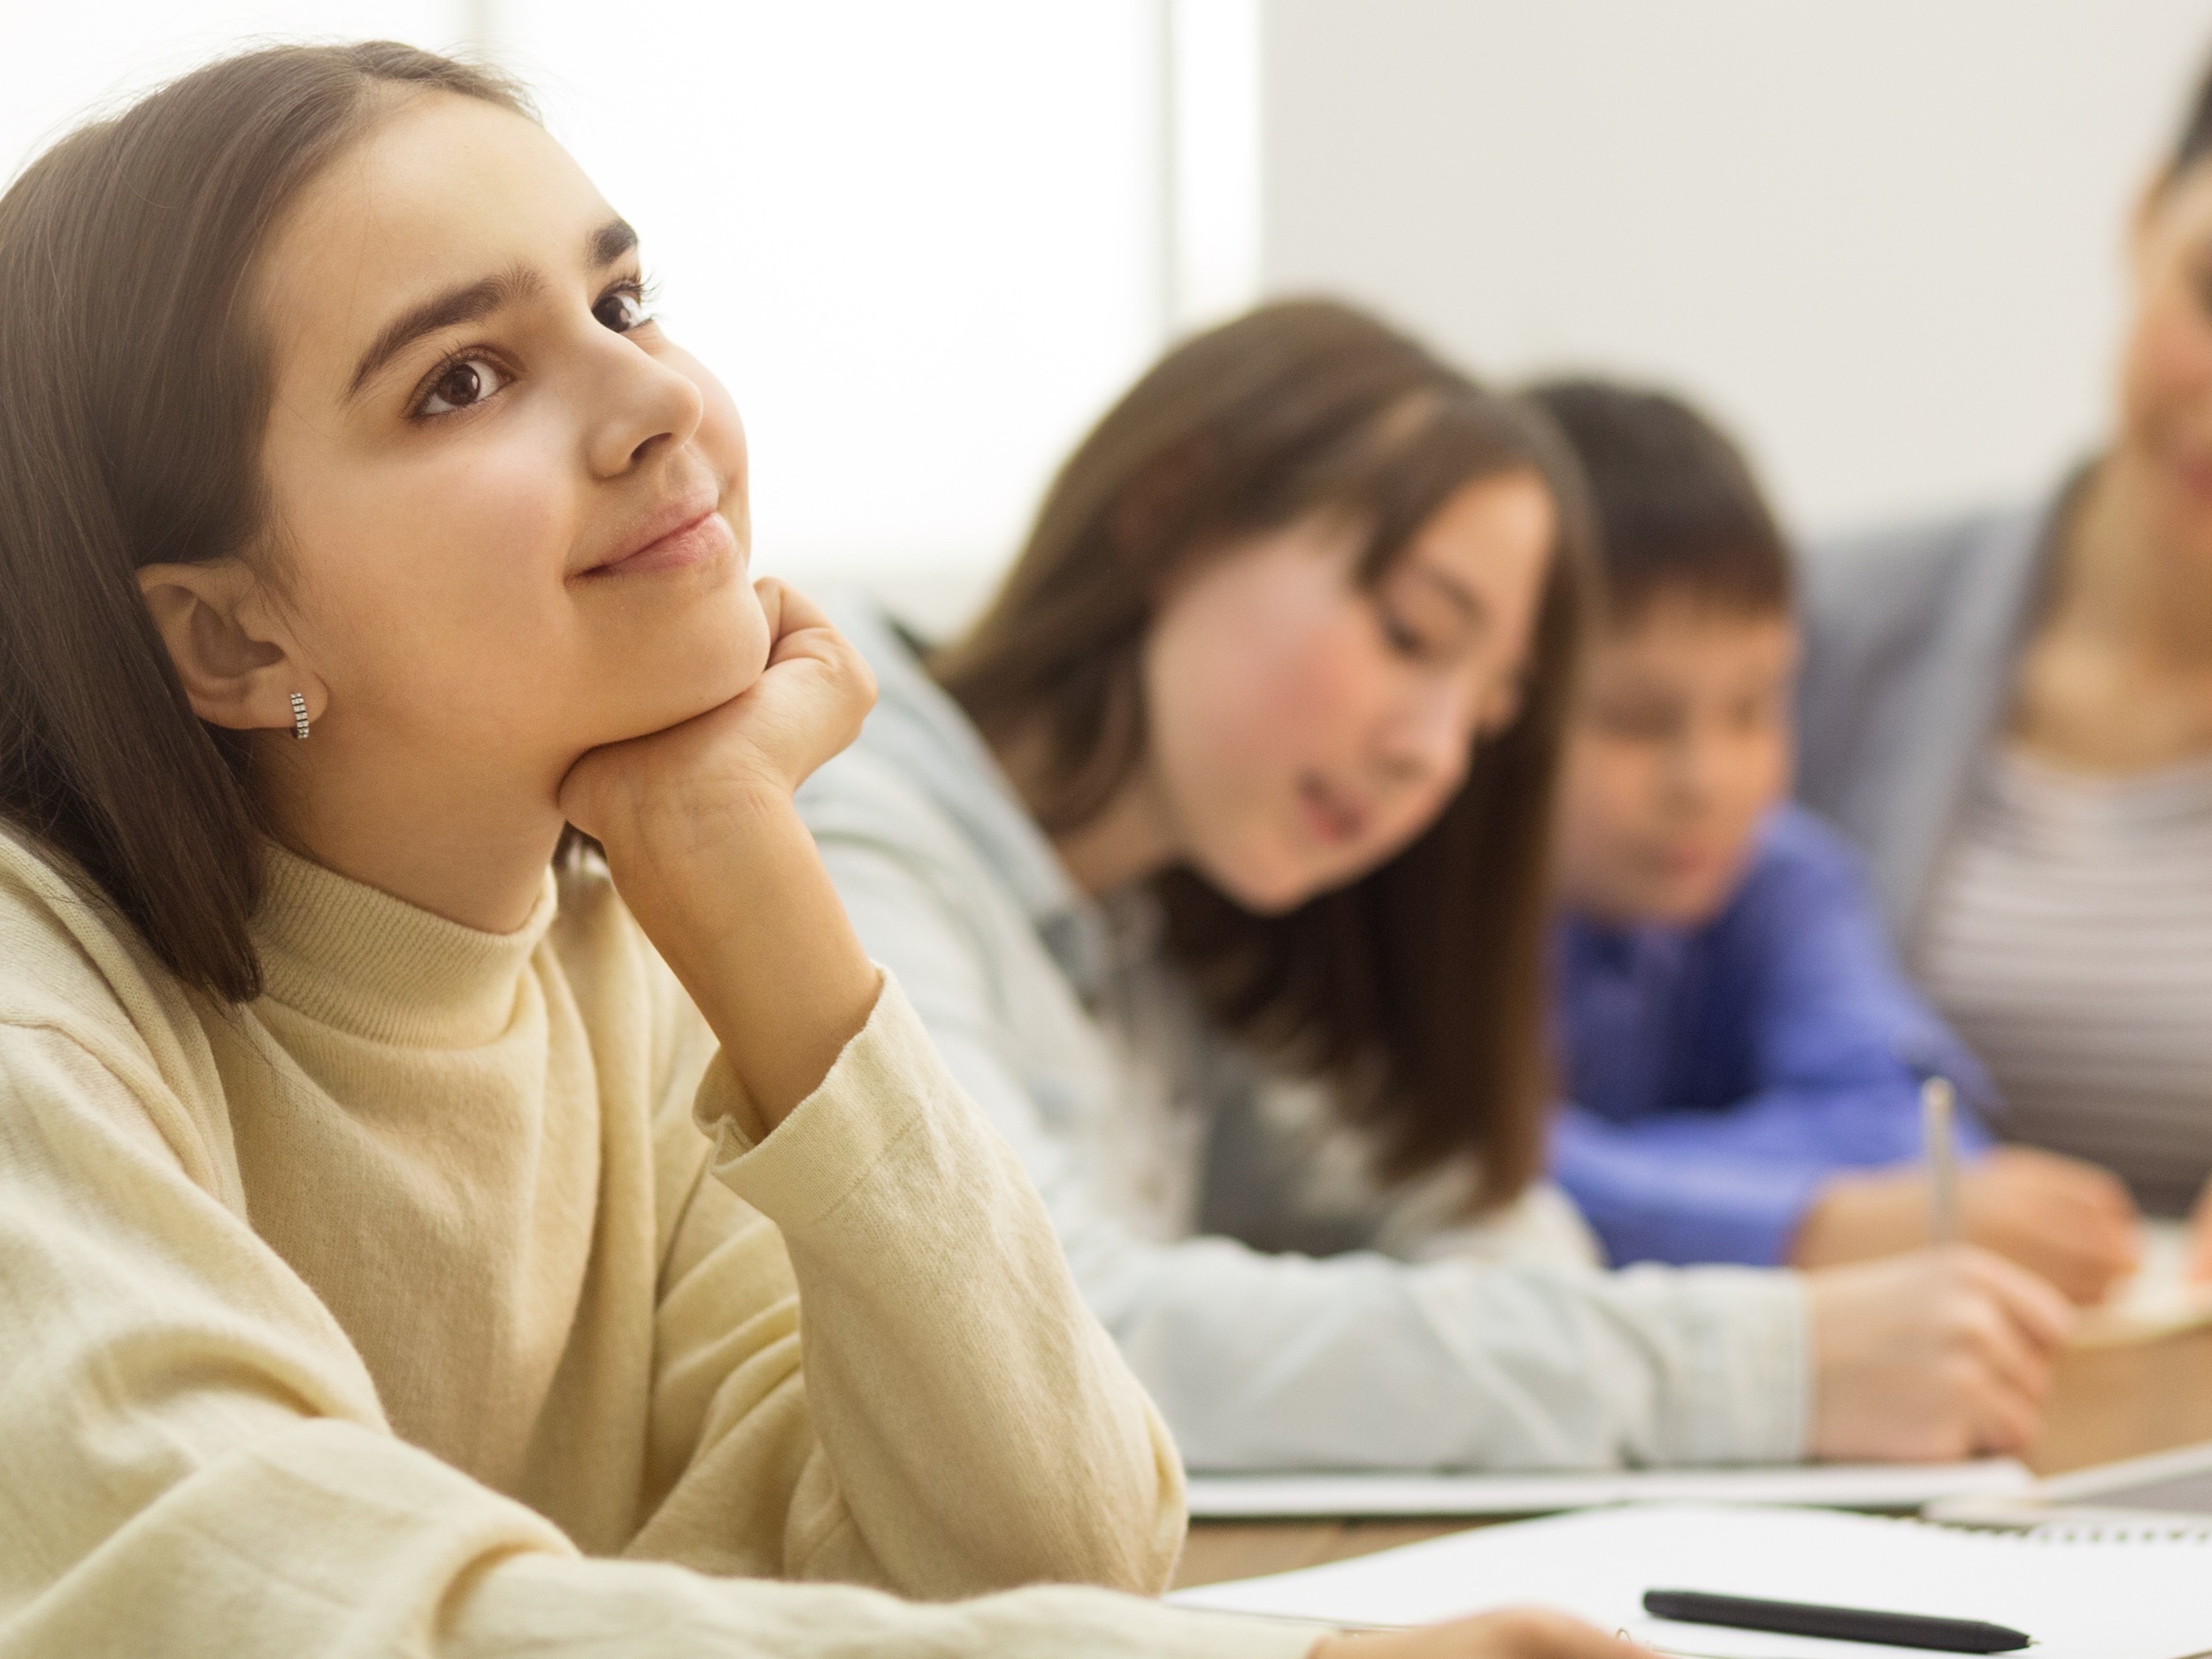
{"points": [[1938, 1141]]}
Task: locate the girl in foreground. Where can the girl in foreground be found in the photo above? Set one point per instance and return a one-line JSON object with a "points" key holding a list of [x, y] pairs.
{"points": [[1245, 774], [383, 1228]]}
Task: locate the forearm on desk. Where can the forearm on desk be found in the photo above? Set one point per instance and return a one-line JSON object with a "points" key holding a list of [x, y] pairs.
{"points": [[638, 1608], [1360, 1361], [1734, 1184]]}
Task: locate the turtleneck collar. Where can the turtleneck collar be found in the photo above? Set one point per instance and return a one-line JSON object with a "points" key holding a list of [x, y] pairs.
{"points": [[360, 961]]}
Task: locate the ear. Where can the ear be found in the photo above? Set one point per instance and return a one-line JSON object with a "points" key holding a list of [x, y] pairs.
{"points": [[233, 649]]}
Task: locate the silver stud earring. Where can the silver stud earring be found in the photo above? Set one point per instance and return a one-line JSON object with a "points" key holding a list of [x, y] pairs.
{"points": [[299, 716]]}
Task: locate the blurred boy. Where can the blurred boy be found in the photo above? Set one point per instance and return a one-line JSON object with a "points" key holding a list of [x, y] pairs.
{"points": [[1743, 1053]]}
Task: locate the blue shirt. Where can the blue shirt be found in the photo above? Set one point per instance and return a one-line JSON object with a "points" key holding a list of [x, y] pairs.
{"points": [[1720, 1074]]}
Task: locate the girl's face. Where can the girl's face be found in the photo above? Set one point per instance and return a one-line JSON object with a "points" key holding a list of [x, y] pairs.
{"points": [[1303, 728], [2165, 391], [508, 515]]}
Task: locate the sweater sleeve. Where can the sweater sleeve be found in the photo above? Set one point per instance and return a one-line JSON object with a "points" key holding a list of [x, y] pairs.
{"points": [[192, 1460], [1283, 1360], [964, 1424], [1836, 1040]]}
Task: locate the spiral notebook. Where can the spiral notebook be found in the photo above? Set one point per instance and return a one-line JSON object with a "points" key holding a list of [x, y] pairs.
{"points": [[2081, 1593]]}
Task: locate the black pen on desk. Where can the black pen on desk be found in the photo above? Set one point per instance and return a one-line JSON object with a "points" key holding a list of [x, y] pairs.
{"points": [[1940, 1147], [1836, 1624]]}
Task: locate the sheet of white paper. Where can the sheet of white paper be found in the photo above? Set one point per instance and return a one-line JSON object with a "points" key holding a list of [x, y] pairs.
{"points": [[1832, 1485], [2080, 1598]]}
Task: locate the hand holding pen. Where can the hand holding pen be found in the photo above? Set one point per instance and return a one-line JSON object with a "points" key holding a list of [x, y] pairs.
{"points": [[2067, 1222], [1940, 1150]]}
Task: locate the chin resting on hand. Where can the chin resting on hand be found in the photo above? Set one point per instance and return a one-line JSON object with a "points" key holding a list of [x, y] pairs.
{"points": [[676, 788]]}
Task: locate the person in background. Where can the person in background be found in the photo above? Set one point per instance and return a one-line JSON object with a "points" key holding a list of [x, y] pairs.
{"points": [[401, 1221], [1214, 855], [2010, 712], [1741, 1052]]}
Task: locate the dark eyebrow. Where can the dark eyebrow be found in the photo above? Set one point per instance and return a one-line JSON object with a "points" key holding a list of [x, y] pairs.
{"points": [[465, 305], [609, 242], [479, 300]]}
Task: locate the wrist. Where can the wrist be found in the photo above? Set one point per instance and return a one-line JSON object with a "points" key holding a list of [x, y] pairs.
{"points": [[1855, 1217], [674, 834], [1815, 1244], [738, 903]]}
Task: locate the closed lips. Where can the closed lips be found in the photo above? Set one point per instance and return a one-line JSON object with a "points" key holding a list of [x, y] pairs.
{"points": [[687, 534], [1332, 815]]}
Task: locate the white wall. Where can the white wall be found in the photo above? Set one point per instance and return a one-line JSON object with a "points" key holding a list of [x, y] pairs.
{"points": [[1881, 237]]}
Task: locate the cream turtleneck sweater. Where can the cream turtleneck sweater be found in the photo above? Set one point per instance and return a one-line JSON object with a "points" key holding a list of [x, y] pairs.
{"points": [[377, 1316]]}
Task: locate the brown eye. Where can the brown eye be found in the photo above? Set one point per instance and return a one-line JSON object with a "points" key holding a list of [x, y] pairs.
{"points": [[621, 310], [461, 385]]}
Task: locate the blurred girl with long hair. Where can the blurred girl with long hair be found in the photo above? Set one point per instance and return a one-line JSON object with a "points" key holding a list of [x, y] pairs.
{"points": [[1214, 856]]}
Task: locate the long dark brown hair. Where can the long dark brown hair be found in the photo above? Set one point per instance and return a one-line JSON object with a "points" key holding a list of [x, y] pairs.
{"points": [[133, 393], [1418, 989]]}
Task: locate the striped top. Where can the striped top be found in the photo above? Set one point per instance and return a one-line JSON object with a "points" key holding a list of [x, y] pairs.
{"points": [[2069, 939]]}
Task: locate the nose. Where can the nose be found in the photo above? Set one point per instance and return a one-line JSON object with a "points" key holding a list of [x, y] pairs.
{"points": [[640, 405], [1695, 762]]}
